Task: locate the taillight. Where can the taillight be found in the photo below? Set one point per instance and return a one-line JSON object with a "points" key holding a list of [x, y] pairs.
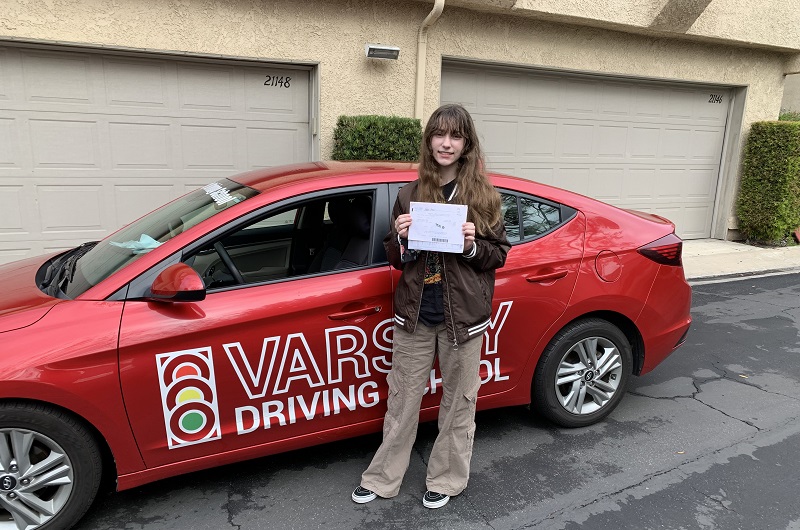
{"points": [[666, 251]]}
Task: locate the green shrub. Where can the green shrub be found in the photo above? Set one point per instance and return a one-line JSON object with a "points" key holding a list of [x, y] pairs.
{"points": [[377, 138], [769, 201], [789, 115]]}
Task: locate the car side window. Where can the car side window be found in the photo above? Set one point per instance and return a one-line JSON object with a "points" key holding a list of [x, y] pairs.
{"points": [[527, 217], [318, 236]]}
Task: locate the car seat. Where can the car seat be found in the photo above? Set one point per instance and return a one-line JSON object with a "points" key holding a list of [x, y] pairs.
{"points": [[348, 243]]}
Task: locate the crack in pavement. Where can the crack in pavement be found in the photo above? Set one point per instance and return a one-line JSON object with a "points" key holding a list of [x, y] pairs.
{"points": [[724, 375], [679, 474], [715, 500]]}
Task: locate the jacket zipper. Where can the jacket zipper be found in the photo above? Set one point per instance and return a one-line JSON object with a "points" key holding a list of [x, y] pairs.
{"points": [[449, 305], [419, 305]]}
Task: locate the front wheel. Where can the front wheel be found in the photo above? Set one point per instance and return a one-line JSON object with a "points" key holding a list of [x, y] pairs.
{"points": [[50, 468], [582, 374]]}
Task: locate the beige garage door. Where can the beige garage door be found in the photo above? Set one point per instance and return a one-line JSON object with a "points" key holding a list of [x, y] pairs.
{"points": [[654, 147], [91, 141]]}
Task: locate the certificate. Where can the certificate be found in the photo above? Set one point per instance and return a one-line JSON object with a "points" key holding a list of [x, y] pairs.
{"points": [[437, 227]]}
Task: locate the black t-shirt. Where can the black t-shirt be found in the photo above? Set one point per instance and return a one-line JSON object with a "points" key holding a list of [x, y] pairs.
{"points": [[431, 309]]}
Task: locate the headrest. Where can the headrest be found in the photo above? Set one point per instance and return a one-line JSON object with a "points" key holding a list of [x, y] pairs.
{"points": [[353, 214]]}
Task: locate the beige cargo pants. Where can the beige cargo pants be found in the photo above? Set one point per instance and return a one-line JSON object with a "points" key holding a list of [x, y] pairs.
{"points": [[412, 360]]}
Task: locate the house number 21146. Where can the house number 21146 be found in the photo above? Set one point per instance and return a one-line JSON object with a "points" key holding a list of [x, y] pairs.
{"points": [[279, 81], [715, 98]]}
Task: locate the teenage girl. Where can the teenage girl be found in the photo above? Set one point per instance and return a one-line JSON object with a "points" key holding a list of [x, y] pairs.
{"points": [[442, 306]]}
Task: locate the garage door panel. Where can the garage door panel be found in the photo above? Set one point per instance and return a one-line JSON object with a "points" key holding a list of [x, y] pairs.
{"points": [[574, 179], [676, 143], [539, 138], [575, 140], [499, 138], [57, 78], [460, 86], [275, 145], [72, 208], [140, 145], [643, 143], [606, 183], [541, 94], [672, 184], [712, 106], [638, 184], [280, 92], [5, 75], [648, 102], [611, 141], [208, 146], [90, 141], [11, 214], [64, 143], [505, 93], [679, 104], [207, 88], [700, 183], [136, 83], [615, 99], [9, 144], [580, 97], [707, 145]]}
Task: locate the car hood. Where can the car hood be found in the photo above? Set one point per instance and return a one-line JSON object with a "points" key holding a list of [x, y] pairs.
{"points": [[21, 301]]}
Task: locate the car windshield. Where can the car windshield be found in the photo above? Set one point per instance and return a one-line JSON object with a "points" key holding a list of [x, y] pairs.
{"points": [[147, 233]]}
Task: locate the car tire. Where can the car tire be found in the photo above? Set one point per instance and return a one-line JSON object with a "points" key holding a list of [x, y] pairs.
{"points": [[49, 462], [582, 374]]}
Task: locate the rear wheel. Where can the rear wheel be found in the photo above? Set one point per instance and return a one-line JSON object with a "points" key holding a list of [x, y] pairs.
{"points": [[582, 374], [50, 468]]}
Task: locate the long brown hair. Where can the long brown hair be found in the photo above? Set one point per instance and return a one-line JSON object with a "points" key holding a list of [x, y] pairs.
{"points": [[474, 188]]}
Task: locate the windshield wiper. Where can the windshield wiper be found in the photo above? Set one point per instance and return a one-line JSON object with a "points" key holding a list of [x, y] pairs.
{"points": [[62, 270]]}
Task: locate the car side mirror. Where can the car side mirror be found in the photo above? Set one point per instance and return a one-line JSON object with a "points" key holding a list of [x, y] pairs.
{"points": [[177, 283]]}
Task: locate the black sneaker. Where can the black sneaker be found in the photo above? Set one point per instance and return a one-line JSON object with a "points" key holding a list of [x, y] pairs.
{"points": [[431, 499], [363, 495]]}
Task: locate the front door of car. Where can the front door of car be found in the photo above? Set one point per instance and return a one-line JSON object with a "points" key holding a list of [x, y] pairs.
{"points": [[292, 339]]}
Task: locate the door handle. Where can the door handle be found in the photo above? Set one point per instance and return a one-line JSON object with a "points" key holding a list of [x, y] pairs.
{"points": [[546, 277], [344, 315]]}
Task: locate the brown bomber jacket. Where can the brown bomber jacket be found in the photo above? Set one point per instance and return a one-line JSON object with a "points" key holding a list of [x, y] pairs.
{"points": [[468, 282]]}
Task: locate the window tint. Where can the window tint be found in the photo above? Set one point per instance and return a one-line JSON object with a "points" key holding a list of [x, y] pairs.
{"points": [[538, 217], [318, 236], [510, 211], [528, 217]]}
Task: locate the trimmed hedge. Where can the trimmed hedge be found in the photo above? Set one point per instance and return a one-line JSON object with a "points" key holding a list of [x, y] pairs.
{"points": [[769, 201], [377, 138]]}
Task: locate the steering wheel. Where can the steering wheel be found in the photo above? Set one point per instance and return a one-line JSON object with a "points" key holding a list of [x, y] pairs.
{"points": [[226, 259]]}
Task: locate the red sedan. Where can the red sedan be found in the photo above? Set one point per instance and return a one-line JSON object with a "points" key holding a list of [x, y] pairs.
{"points": [[254, 316]]}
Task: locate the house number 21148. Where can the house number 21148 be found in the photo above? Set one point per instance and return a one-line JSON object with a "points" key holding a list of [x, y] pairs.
{"points": [[279, 81], [715, 98]]}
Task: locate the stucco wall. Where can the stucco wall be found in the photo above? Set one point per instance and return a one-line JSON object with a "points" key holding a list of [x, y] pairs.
{"points": [[332, 35], [770, 23]]}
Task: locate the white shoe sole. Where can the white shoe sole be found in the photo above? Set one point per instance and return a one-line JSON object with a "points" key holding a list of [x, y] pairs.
{"points": [[363, 500], [437, 504]]}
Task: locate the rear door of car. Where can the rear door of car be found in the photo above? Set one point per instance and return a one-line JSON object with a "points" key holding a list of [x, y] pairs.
{"points": [[534, 287], [531, 291], [299, 347]]}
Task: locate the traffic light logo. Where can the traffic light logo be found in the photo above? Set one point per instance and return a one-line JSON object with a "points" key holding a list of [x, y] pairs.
{"points": [[189, 397]]}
